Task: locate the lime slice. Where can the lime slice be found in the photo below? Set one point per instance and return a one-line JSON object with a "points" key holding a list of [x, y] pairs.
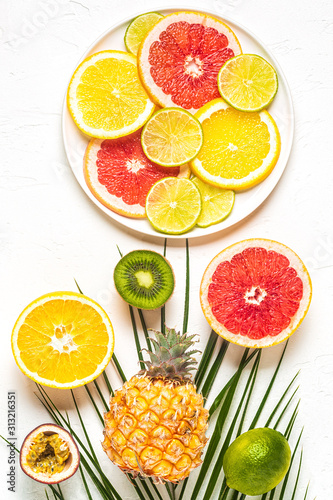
{"points": [[216, 203], [257, 461], [138, 29], [173, 205], [172, 137], [247, 82]]}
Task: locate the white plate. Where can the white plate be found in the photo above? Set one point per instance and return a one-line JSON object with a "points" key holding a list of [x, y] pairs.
{"points": [[247, 201]]}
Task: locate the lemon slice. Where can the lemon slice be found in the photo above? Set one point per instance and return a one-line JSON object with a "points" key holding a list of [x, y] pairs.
{"points": [[105, 96], [138, 29], [172, 137], [247, 82], [239, 150], [63, 340], [217, 203], [173, 205]]}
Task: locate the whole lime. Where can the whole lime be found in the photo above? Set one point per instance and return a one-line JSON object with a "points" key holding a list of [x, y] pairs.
{"points": [[256, 461]]}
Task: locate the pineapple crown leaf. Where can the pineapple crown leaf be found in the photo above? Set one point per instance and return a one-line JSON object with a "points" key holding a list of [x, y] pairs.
{"points": [[172, 356]]}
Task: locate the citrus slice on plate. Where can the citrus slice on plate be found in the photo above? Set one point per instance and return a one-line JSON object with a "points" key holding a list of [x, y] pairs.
{"points": [[247, 82], [239, 149], [181, 56], [119, 174], [138, 29], [63, 340], [105, 96], [217, 203], [173, 205], [255, 293], [172, 137]]}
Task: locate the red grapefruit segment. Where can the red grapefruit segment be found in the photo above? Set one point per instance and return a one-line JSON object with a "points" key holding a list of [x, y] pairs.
{"points": [[119, 174], [181, 56], [255, 293]]}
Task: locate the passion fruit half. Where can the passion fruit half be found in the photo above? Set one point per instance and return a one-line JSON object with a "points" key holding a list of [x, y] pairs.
{"points": [[49, 454]]}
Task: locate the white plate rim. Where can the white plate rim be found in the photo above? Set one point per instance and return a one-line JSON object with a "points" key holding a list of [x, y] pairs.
{"points": [[129, 223]]}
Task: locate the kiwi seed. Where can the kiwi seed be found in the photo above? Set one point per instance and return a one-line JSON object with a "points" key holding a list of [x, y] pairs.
{"points": [[144, 279]]}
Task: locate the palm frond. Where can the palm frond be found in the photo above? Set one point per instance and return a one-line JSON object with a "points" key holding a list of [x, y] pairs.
{"points": [[85, 484], [231, 409], [268, 391], [136, 338], [227, 440], [215, 438], [205, 359], [108, 384], [101, 395], [145, 329], [187, 290], [214, 369], [94, 404], [163, 307], [119, 369]]}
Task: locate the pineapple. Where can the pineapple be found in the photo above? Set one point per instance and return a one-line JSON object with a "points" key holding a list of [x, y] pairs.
{"points": [[156, 424]]}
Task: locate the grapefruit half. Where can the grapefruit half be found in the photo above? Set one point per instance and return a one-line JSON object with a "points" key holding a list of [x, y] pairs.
{"points": [[181, 56], [255, 293], [119, 174]]}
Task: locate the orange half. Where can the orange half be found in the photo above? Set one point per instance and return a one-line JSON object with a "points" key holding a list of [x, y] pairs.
{"points": [[63, 340]]}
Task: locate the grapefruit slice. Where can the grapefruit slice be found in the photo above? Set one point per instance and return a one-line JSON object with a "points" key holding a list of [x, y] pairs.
{"points": [[119, 174], [180, 57], [255, 293]]}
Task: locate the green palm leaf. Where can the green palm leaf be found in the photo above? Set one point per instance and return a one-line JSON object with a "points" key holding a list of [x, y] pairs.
{"points": [[230, 413]]}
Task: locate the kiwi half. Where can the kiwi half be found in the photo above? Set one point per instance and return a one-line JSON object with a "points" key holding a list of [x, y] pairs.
{"points": [[144, 279]]}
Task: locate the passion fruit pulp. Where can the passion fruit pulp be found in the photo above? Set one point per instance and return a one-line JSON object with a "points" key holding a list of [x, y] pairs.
{"points": [[49, 454]]}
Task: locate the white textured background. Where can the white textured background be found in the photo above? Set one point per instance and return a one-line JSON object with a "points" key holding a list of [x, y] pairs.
{"points": [[50, 231]]}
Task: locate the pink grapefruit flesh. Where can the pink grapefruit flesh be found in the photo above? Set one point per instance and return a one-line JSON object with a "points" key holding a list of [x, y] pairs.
{"points": [[255, 293], [119, 174], [181, 56]]}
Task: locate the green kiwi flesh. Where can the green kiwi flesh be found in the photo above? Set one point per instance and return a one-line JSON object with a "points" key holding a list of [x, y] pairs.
{"points": [[144, 279]]}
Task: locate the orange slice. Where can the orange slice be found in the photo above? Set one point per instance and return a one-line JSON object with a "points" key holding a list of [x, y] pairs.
{"points": [[63, 340]]}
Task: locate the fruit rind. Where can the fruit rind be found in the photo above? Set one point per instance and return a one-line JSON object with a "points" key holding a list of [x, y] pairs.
{"points": [[255, 177], [157, 421], [126, 41], [110, 201], [192, 17], [73, 460], [63, 296], [170, 231], [76, 113], [225, 97], [257, 461], [148, 124], [209, 223], [226, 255]]}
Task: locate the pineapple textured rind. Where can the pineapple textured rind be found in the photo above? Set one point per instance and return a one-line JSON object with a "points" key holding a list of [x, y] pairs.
{"points": [[156, 427]]}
